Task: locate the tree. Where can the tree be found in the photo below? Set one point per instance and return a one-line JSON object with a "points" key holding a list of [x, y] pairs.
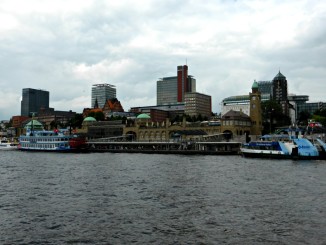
{"points": [[273, 116], [98, 115], [320, 116], [124, 119], [76, 121], [9, 124], [188, 118], [303, 117], [320, 112], [53, 124]]}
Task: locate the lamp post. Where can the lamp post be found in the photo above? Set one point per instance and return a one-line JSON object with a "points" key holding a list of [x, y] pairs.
{"points": [[270, 120]]}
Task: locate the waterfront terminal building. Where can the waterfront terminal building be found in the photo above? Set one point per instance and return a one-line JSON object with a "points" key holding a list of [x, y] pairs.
{"points": [[232, 125]]}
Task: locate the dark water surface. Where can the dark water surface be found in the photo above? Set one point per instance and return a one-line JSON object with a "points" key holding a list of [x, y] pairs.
{"points": [[105, 198]]}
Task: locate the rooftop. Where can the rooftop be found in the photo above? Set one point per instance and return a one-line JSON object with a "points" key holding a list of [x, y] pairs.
{"points": [[89, 119], [279, 76], [143, 116]]}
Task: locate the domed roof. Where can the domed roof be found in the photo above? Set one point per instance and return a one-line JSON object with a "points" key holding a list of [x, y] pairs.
{"points": [[254, 85], [279, 76], [143, 116], [89, 119]]}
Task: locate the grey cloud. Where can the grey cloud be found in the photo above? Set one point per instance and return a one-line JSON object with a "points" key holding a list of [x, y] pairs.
{"points": [[45, 51]]}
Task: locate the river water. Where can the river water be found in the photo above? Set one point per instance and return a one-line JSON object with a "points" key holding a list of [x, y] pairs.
{"points": [[107, 198]]}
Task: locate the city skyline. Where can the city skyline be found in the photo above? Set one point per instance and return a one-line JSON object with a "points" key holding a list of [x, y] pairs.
{"points": [[66, 46]]}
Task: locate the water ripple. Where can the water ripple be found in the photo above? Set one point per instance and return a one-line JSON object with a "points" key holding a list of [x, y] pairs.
{"points": [[105, 198]]}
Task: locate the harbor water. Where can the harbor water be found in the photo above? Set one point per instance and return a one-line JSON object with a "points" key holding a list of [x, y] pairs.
{"points": [[107, 198]]}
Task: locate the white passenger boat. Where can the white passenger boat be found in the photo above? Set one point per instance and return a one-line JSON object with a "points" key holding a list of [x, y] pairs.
{"points": [[5, 144], [57, 140]]}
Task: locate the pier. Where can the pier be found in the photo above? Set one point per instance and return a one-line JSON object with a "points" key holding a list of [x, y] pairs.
{"points": [[152, 147]]}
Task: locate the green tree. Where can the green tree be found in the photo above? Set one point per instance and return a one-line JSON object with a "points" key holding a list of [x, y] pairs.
{"points": [[76, 121], [321, 112], [54, 124], [99, 116], [273, 116], [303, 117], [320, 119], [188, 118]]}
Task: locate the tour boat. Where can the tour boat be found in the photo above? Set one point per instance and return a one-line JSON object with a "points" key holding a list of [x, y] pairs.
{"points": [[284, 146], [55, 141]]}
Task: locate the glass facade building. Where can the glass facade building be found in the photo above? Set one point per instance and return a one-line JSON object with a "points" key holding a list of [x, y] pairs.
{"points": [[265, 87], [167, 91], [33, 100], [311, 107], [101, 93]]}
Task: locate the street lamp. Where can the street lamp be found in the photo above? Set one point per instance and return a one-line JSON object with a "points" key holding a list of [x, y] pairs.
{"points": [[270, 120]]}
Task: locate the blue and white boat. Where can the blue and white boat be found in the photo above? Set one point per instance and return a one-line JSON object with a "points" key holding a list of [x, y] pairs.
{"points": [[284, 146]]}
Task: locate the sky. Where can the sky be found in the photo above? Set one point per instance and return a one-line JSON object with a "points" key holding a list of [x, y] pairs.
{"points": [[66, 46]]}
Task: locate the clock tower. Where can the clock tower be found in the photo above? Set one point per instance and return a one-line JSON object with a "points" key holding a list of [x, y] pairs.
{"points": [[255, 110]]}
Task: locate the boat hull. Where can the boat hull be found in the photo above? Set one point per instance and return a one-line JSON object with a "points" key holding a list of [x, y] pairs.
{"points": [[266, 155], [8, 148], [280, 156], [274, 156], [56, 150]]}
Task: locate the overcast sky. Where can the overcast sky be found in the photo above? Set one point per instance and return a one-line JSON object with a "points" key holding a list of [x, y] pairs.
{"points": [[65, 46]]}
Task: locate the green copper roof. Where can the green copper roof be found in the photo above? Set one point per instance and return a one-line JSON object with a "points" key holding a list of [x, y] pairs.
{"points": [[254, 85], [143, 116], [89, 119], [35, 124], [237, 98], [243, 99]]}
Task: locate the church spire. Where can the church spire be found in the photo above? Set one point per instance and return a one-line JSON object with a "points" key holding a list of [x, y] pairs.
{"points": [[96, 104]]}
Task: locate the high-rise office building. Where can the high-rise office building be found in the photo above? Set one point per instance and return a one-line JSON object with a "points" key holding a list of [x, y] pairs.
{"points": [[33, 100], [171, 90], [280, 88], [280, 92], [101, 93], [198, 104], [167, 91]]}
